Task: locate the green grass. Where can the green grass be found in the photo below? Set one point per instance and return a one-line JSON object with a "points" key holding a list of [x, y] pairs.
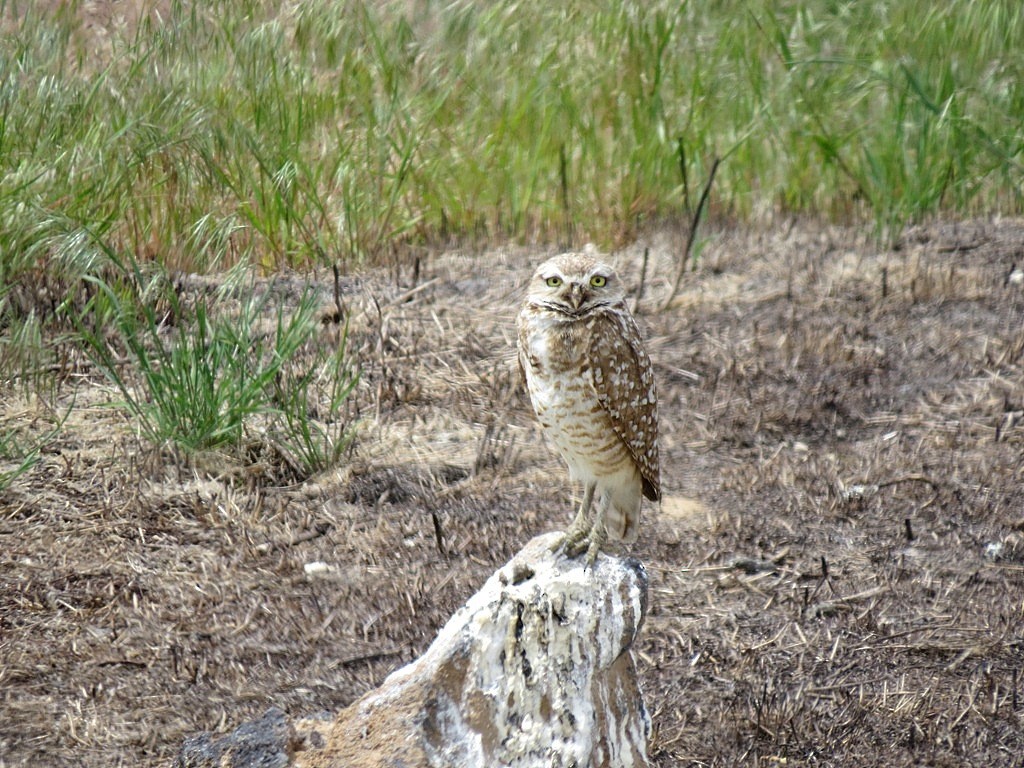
{"points": [[21, 441], [312, 428], [335, 131], [12, 452], [330, 129], [199, 376]]}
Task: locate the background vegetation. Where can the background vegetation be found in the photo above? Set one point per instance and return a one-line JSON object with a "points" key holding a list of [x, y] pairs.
{"points": [[329, 130], [200, 136], [185, 536]]}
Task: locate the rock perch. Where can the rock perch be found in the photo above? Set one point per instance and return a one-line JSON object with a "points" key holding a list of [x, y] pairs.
{"points": [[535, 670]]}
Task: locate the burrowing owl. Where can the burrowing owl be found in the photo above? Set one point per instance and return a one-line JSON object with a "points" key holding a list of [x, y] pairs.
{"points": [[592, 387]]}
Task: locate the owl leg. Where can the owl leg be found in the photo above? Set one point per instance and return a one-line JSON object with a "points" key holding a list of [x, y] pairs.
{"points": [[587, 537], [580, 523], [581, 534], [580, 528], [597, 538], [586, 540]]}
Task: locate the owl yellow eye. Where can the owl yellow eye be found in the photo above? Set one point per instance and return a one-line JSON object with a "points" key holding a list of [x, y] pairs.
{"points": [[599, 281], [554, 282]]}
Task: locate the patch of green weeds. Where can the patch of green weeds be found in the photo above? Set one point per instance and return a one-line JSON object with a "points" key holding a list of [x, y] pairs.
{"points": [[20, 446], [314, 428], [201, 376]]}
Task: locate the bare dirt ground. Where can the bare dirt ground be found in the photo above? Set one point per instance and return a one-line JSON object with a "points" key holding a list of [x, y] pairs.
{"points": [[837, 568]]}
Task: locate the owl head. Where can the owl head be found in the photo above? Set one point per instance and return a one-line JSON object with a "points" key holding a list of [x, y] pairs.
{"points": [[574, 284]]}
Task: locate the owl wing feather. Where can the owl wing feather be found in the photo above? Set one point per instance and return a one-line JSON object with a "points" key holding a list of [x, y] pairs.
{"points": [[623, 380], [522, 348]]}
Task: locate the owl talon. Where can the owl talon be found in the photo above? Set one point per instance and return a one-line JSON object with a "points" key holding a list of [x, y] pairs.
{"points": [[572, 543], [587, 546], [580, 540], [597, 538], [558, 544], [575, 546], [577, 538]]}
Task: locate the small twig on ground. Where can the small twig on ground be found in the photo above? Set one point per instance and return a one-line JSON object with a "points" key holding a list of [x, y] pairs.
{"points": [[407, 295], [317, 531], [337, 293], [692, 236], [681, 151], [643, 279], [363, 658], [563, 172], [438, 532]]}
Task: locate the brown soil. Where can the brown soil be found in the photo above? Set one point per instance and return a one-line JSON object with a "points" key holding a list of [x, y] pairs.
{"points": [[837, 568]]}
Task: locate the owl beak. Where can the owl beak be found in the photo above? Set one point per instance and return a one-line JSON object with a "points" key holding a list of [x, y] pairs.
{"points": [[576, 295]]}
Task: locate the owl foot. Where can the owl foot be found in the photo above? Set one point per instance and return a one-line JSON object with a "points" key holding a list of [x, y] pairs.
{"points": [[577, 539], [569, 542], [584, 540]]}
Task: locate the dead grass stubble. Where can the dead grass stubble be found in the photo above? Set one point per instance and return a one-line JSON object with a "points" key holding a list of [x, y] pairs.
{"points": [[837, 571]]}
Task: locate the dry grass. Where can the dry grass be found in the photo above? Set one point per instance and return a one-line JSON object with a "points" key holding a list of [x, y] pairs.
{"points": [[836, 574]]}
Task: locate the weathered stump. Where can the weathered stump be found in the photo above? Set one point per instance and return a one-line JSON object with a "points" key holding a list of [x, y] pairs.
{"points": [[535, 670]]}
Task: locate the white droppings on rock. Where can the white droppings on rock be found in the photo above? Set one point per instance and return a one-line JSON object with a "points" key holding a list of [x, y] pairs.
{"points": [[535, 670]]}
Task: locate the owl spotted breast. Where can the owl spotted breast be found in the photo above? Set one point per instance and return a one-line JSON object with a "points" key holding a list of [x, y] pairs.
{"points": [[592, 387]]}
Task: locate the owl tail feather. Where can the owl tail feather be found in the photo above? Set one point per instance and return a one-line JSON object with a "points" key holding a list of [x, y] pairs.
{"points": [[622, 522]]}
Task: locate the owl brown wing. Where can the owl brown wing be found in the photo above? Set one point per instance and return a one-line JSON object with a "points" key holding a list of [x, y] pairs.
{"points": [[522, 347], [623, 379]]}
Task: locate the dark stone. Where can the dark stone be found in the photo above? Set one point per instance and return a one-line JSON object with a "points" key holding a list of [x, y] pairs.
{"points": [[263, 743]]}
